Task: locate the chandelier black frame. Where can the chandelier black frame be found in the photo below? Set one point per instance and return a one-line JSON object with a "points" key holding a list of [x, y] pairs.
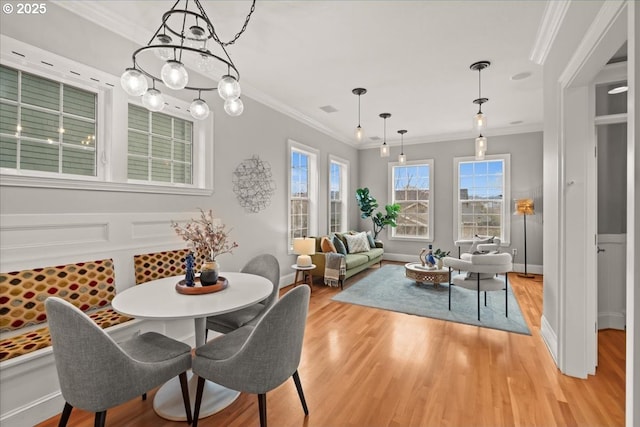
{"points": [[193, 30]]}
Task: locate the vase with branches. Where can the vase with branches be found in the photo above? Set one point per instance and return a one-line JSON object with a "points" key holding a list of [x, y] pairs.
{"points": [[209, 238]]}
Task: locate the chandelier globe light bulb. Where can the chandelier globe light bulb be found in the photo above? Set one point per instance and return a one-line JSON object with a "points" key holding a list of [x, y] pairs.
{"points": [[153, 100], [229, 88], [134, 82]]}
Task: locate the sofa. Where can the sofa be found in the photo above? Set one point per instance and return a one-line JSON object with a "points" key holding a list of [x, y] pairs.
{"points": [[354, 262]]}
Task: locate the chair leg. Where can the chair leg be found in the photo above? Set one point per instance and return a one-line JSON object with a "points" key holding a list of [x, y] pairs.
{"points": [[262, 405], [296, 379], [144, 396], [185, 396], [196, 411], [66, 413], [478, 297], [485, 298], [450, 284], [506, 296], [206, 334], [101, 419]]}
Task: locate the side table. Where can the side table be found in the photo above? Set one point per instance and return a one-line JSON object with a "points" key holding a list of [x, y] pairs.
{"points": [[307, 277]]}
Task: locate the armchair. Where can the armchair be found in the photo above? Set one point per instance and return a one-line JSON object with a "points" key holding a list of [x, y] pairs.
{"points": [[483, 270]]}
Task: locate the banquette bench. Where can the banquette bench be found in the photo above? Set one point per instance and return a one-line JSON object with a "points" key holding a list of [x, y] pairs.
{"points": [[90, 286]]}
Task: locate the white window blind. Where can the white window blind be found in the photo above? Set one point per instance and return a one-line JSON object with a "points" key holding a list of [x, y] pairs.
{"points": [[160, 147], [46, 126]]}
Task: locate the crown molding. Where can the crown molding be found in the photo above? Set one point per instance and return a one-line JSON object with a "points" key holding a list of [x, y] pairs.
{"points": [[550, 24]]}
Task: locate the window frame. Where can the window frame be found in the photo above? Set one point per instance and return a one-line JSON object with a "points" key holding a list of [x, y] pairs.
{"points": [[505, 237], [312, 177], [112, 124], [391, 197], [344, 190]]}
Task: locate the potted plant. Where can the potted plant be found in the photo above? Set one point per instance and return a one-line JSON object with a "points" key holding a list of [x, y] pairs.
{"points": [[439, 254], [207, 237], [368, 205]]}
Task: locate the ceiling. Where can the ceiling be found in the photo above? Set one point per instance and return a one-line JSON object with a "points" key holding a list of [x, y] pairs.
{"points": [[413, 58]]}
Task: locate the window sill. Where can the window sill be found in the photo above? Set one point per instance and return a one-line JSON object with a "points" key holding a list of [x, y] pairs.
{"points": [[412, 239], [75, 184]]}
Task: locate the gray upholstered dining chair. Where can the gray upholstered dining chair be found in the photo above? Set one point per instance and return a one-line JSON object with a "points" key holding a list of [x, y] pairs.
{"points": [[257, 359], [265, 265], [96, 373]]}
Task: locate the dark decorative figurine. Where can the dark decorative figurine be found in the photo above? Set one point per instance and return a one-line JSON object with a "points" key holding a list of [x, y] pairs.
{"points": [[189, 278]]}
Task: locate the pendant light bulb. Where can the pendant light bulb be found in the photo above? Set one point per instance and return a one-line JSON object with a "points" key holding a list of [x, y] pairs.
{"points": [[153, 100], [134, 82], [402, 159], [359, 132], [384, 148], [479, 122], [233, 107], [481, 147], [174, 75], [199, 109], [228, 88]]}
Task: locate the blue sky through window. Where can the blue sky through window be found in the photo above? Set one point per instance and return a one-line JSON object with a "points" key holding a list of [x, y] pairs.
{"points": [[299, 174], [482, 179], [411, 177]]}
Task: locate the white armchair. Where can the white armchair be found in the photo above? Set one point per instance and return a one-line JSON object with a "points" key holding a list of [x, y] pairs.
{"points": [[484, 269], [478, 243]]}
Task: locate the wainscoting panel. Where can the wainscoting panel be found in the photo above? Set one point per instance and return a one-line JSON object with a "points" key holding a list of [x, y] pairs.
{"points": [[29, 391]]}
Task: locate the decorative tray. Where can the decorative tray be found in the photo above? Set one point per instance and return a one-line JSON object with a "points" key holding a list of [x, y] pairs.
{"points": [[198, 289]]}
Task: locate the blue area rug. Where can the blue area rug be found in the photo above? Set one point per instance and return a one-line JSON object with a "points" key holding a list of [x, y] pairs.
{"points": [[389, 289]]}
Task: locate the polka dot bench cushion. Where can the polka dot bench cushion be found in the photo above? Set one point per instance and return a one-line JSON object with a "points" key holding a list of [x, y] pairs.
{"points": [[40, 338], [88, 285], [159, 265]]}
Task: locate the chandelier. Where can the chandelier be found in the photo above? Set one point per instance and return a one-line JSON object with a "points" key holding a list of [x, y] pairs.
{"points": [[402, 158], [186, 34], [359, 131], [384, 148]]}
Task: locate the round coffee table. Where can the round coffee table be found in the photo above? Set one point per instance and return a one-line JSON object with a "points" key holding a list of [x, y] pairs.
{"points": [[423, 274]]}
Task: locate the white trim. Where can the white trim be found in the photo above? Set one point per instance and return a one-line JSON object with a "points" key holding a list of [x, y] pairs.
{"points": [[611, 73], [550, 24], [549, 338], [505, 239], [313, 188], [391, 197], [611, 119], [345, 170]]}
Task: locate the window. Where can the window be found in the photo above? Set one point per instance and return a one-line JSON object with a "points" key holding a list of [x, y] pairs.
{"points": [[67, 125], [411, 189], [159, 148], [46, 127], [481, 203], [303, 193], [338, 188]]}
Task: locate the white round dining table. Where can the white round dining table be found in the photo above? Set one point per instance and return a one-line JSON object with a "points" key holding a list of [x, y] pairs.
{"points": [[159, 300]]}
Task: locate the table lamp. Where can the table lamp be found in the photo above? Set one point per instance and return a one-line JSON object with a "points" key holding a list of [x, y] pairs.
{"points": [[304, 246], [525, 207]]}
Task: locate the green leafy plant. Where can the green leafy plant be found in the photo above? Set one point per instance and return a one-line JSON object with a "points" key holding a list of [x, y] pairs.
{"points": [[368, 204], [439, 253]]}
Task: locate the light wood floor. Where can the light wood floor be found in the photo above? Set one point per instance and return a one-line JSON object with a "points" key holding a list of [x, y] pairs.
{"points": [[367, 367]]}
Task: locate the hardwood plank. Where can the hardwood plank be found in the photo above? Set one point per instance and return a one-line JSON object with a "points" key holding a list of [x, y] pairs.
{"points": [[368, 367]]}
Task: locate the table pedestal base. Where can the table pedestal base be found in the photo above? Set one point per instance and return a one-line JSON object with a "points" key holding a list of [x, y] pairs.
{"points": [[169, 405]]}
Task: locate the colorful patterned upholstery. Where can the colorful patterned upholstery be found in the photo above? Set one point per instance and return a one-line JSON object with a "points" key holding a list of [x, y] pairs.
{"points": [[90, 286], [40, 338], [159, 265]]}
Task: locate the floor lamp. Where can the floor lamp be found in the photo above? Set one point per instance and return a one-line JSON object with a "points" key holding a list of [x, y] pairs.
{"points": [[524, 207]]}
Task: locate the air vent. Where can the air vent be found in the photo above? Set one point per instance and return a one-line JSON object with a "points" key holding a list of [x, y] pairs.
{"points": [[375, 138], [328, 109]]}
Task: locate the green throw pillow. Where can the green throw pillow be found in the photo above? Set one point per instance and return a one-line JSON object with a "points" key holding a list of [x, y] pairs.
{"points": [[340, 246]]}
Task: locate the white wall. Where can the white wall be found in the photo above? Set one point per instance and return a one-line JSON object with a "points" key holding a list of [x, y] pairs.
{"points": [[526, 181]]}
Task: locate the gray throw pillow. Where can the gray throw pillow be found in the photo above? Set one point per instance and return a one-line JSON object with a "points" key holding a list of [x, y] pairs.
{"points": [[372, 242], [340, 247]]}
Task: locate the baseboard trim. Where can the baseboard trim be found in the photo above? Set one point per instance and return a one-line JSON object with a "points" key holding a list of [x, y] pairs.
{"points": [[611, 320], [549, 337]]}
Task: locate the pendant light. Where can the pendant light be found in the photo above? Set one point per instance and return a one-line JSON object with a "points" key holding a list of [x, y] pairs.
{"points": [[402, 159], [384, 149], [359, 131], [479, 119]]}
